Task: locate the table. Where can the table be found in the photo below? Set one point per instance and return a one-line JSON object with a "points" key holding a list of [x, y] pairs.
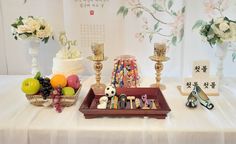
{"points": [[23, 123]]}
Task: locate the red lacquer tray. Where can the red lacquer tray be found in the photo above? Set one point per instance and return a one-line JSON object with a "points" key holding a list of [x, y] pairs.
{"points": [[89, 105]]}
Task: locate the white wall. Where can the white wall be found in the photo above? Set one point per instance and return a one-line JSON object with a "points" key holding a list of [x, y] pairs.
{"points": [[3, 63], [119, 37]]}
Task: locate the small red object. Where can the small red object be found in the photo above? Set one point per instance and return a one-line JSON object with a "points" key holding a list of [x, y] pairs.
{"points": [[91, 12]]}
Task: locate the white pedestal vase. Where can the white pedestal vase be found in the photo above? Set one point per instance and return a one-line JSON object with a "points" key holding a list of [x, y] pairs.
{"points": [[221, 51], [33, 51]]}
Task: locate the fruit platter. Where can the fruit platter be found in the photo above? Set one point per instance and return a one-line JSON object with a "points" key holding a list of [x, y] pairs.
{"points": [[58, 91], [125, 102]]}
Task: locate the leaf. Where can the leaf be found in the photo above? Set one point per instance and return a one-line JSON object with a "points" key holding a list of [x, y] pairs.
{"points": [[121, 10], [45, 40], [150, 37], [139, 13], [170, 3], [181, 34], [37, 75], [125, 12], [173, 13], [234, 56], [198, 24], [20, 18], [14, 25], [183, 10], [156, 26], [174, 40], [158, 7]]}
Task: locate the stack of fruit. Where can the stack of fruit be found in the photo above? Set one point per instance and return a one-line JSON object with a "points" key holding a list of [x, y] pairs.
{"points": [[40, 90]]}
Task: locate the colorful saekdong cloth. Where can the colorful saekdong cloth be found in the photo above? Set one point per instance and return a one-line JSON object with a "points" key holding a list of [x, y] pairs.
{"points": [[125, 72]]}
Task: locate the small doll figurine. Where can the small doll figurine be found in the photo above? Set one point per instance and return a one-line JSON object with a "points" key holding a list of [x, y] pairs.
{"points": [[122, 101], [145, 102]]}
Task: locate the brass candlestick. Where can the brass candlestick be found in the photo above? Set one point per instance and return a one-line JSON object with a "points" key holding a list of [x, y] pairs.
{"points": [[98, 87], [159, 57]]}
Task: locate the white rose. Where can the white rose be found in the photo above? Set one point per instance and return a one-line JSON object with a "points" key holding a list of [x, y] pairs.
{"points": [[224, 26], [233, 31], [34, 24], [46, 32], [221, 34], [41, 34], [219, 20], [24, 29]]}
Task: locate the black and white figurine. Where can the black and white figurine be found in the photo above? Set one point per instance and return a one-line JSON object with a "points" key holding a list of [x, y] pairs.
{"points": [[110, 91]]}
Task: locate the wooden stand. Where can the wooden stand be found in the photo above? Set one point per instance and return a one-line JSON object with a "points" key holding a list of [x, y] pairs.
{"points": [[158, 67]]}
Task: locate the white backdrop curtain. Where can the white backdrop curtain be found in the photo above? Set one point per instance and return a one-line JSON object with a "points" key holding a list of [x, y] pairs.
{"points": [[119, 35]]}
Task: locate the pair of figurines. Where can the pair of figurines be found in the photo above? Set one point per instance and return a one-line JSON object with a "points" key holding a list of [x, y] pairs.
{"points": [[198, 95]]}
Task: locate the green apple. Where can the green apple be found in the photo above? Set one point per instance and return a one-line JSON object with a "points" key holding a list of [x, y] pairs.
{"points": [[30, 86], [68, 91]]}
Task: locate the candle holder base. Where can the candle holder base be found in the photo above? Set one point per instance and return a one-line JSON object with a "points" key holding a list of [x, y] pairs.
{"points": [[98, 88], [161, 86]]}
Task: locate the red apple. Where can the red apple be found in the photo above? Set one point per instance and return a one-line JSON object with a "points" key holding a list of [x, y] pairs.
{"points": [[73, 81]]}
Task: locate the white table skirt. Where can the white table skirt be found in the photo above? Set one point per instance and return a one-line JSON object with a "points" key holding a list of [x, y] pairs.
{"points": [[23, 123]]}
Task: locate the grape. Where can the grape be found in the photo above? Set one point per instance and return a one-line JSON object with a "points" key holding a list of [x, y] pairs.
{"points": [[46, 87], [56, 97]]}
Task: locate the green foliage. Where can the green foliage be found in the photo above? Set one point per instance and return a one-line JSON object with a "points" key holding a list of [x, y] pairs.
{"points": [[45, 40], [150, 37], [156, 26], [170, 3], [14, 25], [173, 13], [234, 56], [123, 10], [139, 13], [174, 40], [183, 10], [158, 7], [198, 24], [208, 32], [181, 34]]}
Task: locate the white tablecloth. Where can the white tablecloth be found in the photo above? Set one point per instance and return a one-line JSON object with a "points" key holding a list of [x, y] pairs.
{"points": [[23, 123]]}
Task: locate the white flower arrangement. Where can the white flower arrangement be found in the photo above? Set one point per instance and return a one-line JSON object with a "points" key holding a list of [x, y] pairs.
{"points": [[69, 49], [217, 31], [31, 28]]}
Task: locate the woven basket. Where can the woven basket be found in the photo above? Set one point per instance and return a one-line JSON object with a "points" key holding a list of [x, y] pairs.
{"points": [[65, 101]]}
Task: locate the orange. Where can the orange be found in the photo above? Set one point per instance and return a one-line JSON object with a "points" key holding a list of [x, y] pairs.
{"points": [[58, 80]]}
